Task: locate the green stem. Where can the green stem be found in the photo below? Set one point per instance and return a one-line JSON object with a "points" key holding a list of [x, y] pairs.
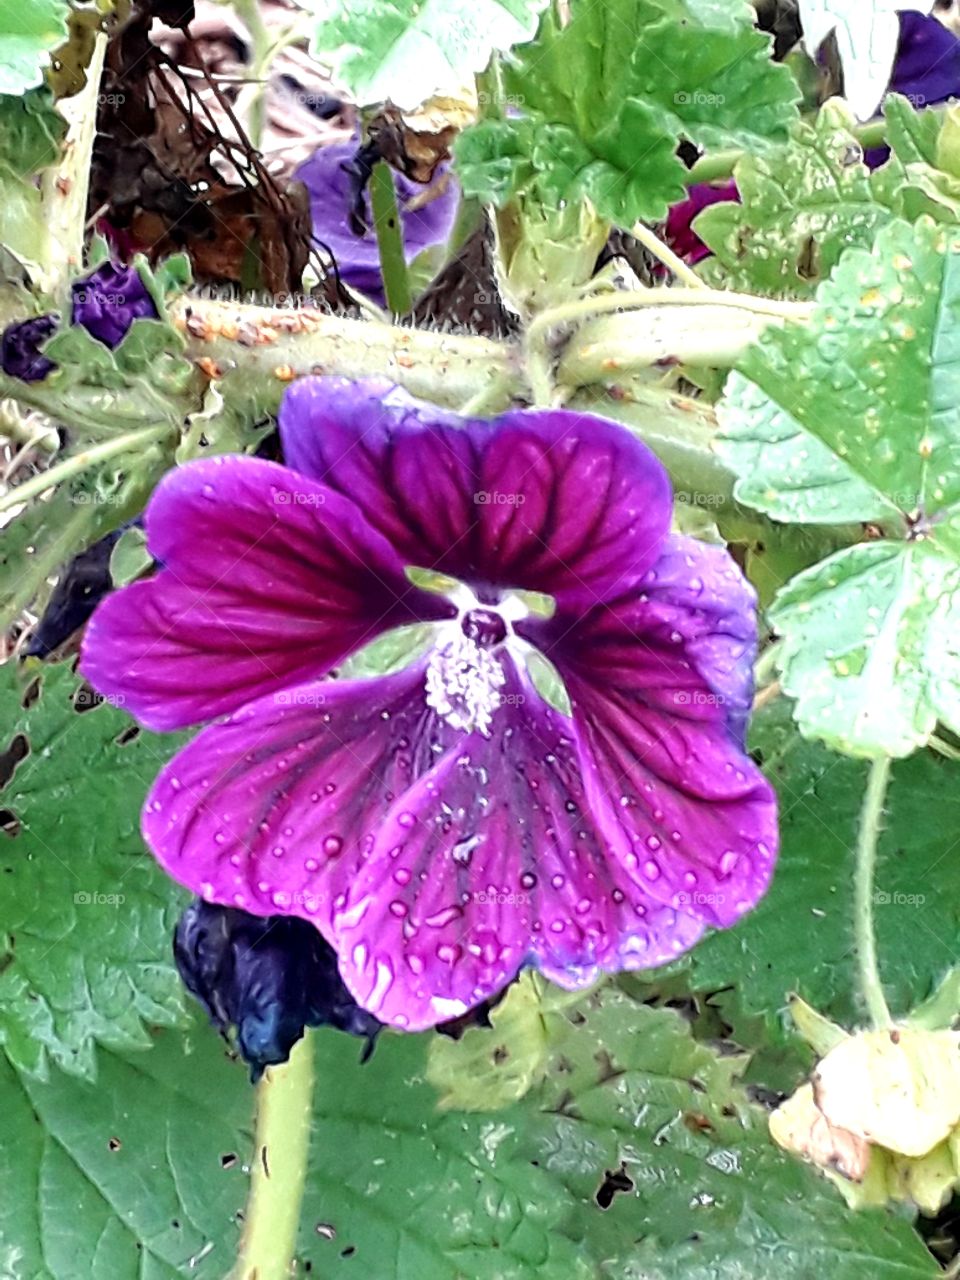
{"points": [[386, 218], [664, 296], [263, 49], [64, 186], [81, 462], [652, 242], [944, 748], [871, 987], [279, 1168]]}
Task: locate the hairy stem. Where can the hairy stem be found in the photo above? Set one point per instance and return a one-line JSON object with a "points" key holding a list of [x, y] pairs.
{"points": [[83, 461], [386, 218], [258, 350], [64, 186], [871, 987], [643, 235], [279, 1168], [630, 300]]}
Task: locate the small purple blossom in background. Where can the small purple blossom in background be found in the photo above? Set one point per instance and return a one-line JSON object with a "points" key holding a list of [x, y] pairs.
{"points": [[107, 302], [445, 825], [926, 69], [679, 233], [331, 202], [20, 344]]}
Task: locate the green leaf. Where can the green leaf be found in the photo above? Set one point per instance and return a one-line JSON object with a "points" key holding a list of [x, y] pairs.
{"points": [[138, 1177], [491, 1066], [870, 649], [604, 110], [52, 530], [88, 914], [28, 31], [855, 416], [802, 204], [408, 50], [800, 936], [628, 1094], [31, 132]]}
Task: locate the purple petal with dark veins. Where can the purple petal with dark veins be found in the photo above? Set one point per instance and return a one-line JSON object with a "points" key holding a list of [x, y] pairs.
{"points": [[490, 861], [660, 682], [253, 811], [545, 500], [331, 200], [267, 579]]}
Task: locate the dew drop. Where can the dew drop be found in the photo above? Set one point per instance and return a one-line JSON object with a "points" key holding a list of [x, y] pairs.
{"points": [[651, 870], [332, 845]]}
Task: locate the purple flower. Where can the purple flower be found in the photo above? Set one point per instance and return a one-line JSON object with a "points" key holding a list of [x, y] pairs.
{"points": [[108, 301], [20, 348], [331, 201], [445, 825]]}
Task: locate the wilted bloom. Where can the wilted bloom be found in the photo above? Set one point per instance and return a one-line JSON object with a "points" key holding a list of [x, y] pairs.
{"points": [[108, 301], [446, 824], [268, 977], [426, 215], [20, 348]]}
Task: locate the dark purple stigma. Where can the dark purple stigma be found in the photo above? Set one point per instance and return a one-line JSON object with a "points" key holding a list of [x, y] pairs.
{"points": [[484, 627]]}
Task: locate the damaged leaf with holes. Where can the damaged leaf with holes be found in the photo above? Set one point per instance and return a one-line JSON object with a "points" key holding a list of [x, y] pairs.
{"points": [[87, 917]]}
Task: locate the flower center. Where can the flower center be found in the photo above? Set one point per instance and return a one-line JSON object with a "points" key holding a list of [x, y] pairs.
{"points": [[485, 627], [464, 675]]}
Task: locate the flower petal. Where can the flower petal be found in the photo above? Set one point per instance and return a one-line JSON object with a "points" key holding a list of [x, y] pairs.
{"points": [[267, 579], [660, 683], [251, 813], [550, 501], [492, 860], [331, 192]]}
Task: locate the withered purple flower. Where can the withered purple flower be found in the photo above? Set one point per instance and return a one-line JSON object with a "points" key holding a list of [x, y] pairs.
{"points": [[444, 825], [20, 344], [108, 301]]}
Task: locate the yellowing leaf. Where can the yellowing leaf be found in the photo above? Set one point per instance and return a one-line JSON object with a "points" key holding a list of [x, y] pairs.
{"points": [[898, 1088]]}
